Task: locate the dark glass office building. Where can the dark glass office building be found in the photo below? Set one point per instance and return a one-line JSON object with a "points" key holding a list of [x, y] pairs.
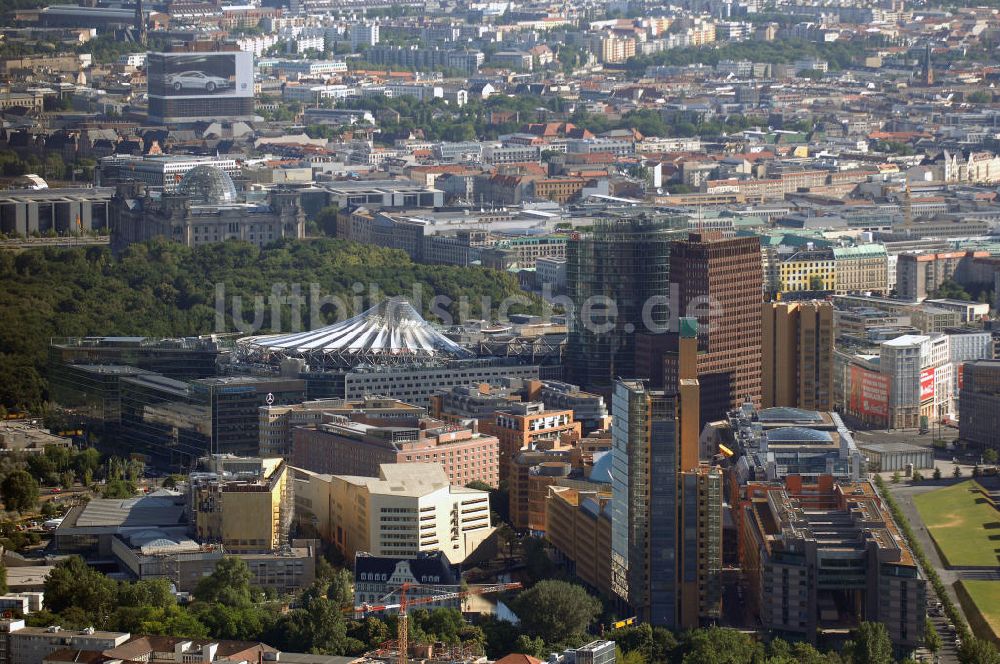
{"points": [[182, 358], [173, 422], [612, 272]]}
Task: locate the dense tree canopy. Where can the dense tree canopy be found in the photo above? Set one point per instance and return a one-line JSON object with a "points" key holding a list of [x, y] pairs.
{"points": [[20, 491], [556, 611], [165, 289], [871, 645]]}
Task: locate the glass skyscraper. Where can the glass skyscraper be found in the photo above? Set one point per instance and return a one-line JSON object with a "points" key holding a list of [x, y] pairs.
{"points": [[612, 272]]}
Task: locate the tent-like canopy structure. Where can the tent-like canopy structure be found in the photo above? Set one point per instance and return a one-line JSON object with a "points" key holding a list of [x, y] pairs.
{"points": [[391, 332]]}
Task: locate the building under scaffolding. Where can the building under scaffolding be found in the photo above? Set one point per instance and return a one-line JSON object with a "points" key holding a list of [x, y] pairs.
{"points": [[244, 504]]}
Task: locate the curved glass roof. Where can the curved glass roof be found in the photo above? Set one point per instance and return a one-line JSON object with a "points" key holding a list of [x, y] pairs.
{"points": [[798, 435], [787, 414], [391, 328], [208, 185]]}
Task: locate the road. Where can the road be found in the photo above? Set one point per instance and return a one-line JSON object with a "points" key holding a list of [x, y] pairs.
{"points": [[45, 494]]}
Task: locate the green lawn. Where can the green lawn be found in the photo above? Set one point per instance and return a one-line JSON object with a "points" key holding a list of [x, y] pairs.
{"points": [[964, 525], [986, 595]]}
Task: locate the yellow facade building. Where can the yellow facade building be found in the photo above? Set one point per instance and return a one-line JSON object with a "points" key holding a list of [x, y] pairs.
{"points": [[243, 504], [579, 529], [808, 271]]}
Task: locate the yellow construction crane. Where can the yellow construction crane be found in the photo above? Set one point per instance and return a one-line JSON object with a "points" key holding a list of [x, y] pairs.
{"points": [[405, 602]]}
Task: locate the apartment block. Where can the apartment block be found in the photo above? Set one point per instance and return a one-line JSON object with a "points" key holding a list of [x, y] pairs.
{"points": [[528, 426], [30, 645], [919, 275], [861, 269], [810, 270]]}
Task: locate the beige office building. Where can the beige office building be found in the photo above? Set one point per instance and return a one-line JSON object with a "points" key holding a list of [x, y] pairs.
{"points": [[409, 509]]}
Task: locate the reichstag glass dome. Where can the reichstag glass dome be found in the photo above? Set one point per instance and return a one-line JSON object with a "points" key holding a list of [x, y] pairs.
{"points": [[208, 185]]}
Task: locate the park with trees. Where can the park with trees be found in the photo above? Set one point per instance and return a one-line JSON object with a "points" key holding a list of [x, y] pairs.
{"points": [[164, 289]]}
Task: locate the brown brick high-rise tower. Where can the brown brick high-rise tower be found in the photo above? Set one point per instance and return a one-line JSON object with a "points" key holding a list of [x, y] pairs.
{"points": [[719, 281]]}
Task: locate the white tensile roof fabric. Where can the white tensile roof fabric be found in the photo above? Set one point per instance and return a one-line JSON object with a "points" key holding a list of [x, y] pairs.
{"points": [[393, 327]]}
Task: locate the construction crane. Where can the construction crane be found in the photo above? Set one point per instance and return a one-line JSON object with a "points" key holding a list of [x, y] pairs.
{"points": [[405, 602]]}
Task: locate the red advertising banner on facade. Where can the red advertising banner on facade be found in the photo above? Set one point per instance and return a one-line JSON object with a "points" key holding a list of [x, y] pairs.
{"points": [[927, 384], [869, 393], [961, 374]]}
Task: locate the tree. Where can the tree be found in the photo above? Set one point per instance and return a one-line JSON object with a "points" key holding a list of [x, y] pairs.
{"points": [[118, 488], [327, 220], [72, 584], [937, 473], [538, 565], [171, 481], [957, 472], [66, 479], [224, 621], [978, 651], [556, 611], [20, 491], [500, 636], [917, 476], [932, 640], [88, 460], [228, 584], [156, 593], [895, 477], [718, 644], [318, 627], [526, 645], [372, 632], [990, 455], [630, 657], [341, 588], [871, 645], [3, 579], [506, 538]]}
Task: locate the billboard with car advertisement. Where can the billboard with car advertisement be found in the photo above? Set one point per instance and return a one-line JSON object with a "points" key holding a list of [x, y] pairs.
{"points": [[187, 75], [927, 384], [869, 396]]}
